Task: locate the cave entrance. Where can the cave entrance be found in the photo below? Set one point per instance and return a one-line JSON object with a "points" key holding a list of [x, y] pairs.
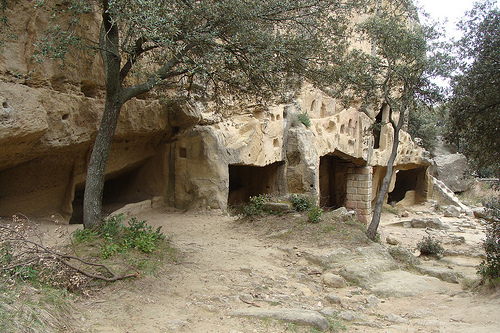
{"points": [[409, 180], [120, 188], [333, 181], [246, 181]]}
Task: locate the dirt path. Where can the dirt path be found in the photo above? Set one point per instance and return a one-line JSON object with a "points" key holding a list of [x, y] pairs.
{"points": [[228, 265]]}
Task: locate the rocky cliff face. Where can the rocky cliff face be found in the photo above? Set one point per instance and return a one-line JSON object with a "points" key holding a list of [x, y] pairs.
{"points": [[49, 118], [187, 153]]}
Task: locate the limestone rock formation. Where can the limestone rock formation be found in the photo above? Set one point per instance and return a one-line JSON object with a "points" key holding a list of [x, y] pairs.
{"points": [[453, 170], [187, 152]]}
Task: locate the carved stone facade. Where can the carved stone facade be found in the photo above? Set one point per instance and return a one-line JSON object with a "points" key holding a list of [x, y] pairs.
{"points": [[188, 154]]}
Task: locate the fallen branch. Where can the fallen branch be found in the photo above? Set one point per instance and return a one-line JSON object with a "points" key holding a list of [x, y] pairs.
{"points": [[248, 302], [28, 252]]}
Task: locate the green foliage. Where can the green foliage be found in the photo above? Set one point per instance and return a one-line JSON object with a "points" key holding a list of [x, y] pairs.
{"points": [[427, 123], [116, 238], [430, 246], [304, 119], [252, 47], [475, 104], [314, 214], [300, 203], [490, 266], [256, 206], [336, 324]]}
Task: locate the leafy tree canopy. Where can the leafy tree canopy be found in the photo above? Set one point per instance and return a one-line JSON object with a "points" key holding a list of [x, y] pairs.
{"points": [[246, 48], [475, 104]]}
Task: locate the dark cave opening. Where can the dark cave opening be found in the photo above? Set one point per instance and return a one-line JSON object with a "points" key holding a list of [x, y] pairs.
{"points": [[247, 180], [120, 189], [333, 181], [408, 180]]}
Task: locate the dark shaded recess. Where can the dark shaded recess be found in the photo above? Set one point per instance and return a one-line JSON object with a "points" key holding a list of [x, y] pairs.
{"points": [[376, 129], [90, 89], [333, 181], [408, 180], [246, 181], [119, 189]]}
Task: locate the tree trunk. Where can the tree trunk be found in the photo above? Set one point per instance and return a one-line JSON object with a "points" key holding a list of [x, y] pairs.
{"points": [[371, 232], [96, 172]]}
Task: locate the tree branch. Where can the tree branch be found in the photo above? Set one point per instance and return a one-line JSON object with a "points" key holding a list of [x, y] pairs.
{"points": [[39, 252], [165, 72]]}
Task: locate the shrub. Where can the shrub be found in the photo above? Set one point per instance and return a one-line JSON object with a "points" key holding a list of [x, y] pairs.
{"points": [[490, 267], [117, 238], [304, 119], [300, 203], [314, 214], [429, 246], [256, 206]]}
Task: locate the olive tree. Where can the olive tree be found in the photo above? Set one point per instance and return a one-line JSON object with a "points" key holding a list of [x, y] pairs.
{"points": [[263, 48], [396, 71]]}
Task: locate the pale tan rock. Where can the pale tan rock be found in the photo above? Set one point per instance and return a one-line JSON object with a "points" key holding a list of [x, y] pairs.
{"points": [[192, 155], [334, 280]]}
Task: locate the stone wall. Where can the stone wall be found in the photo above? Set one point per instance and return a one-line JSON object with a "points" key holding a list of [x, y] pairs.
{"points": [[359, 188]]}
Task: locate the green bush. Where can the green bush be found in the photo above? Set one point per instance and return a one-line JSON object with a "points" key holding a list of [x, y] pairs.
{"points": [[304, 119], [429, 246], [490, 266], [117, 238], [255, 206], [300, 203], [314, 214]]}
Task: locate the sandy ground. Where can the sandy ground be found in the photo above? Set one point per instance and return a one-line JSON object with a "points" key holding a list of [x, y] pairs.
{"points": [[228, 265]]}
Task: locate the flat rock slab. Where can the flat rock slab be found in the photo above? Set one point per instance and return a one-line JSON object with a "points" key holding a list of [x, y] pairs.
{"points": [[296, 316], [404, 284], [442, 273], [426, 222]]}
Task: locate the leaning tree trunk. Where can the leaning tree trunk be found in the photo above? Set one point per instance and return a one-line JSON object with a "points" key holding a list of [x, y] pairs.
{"points": [[371, 232], [96, 172]]}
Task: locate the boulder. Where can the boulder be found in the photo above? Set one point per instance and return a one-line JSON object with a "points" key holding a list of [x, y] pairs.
{"points": [[334, 280], [444, 274], [452, 169], [427, 222], [404, 256], [333, 299], [132, 209], [451, 211], [392, 240], [342, 214]]}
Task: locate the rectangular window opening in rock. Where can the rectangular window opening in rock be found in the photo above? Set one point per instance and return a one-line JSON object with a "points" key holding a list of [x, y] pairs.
{"points": [[413, 181], [246, 181]]}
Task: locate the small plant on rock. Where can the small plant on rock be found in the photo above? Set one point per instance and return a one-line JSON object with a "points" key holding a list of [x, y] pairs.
{"points": [[429, 246], [300, 203], [304, 119], [256, 206]]}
